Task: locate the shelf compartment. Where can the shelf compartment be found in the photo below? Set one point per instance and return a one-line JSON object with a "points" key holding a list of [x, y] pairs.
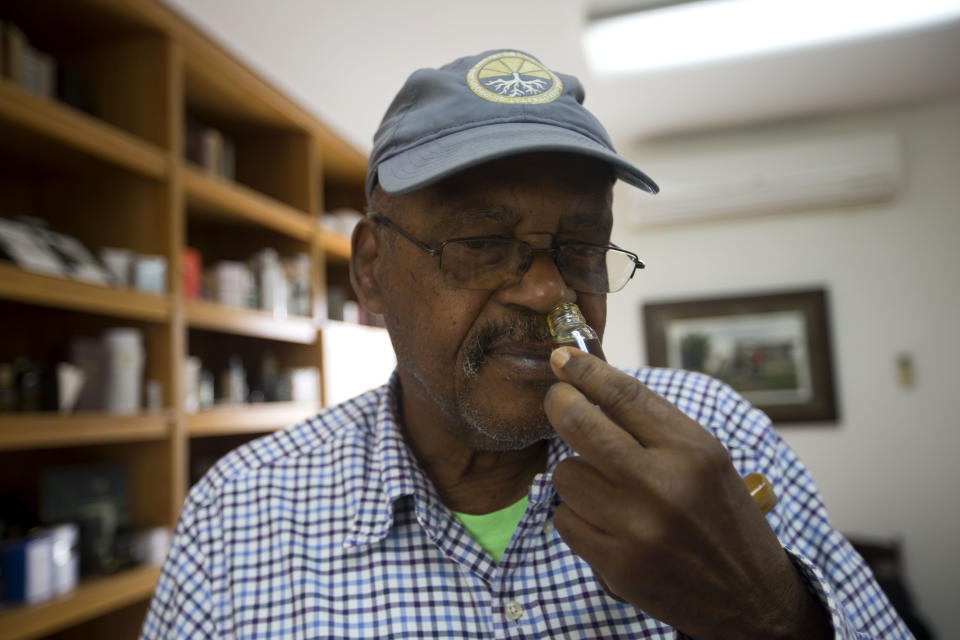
{"points": [[215, 82], [45, 430], [203, 314], [229, 200], [248, 418], [19, 285], [24, 115], [92, 598]]}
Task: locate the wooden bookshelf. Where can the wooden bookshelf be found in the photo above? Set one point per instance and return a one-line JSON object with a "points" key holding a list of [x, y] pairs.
{"points": [[42, 430], [230, 201], [115, 175], [62, 126], [203, 314], [91, 598], [51, 291], [336, 246], [249, 418]]}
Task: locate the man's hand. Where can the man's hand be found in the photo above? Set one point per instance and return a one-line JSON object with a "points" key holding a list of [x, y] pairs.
{"points": [[656, 508]]}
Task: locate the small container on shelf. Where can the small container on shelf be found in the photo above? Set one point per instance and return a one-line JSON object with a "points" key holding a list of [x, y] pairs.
{"points": [[30, 68], [209, 149], [231, 283], [149, 547], [153, 395], [234, 382], [89, 355], [206, 393], [70, 381], [191, 384], [124, 359], [150, 273], [42, 565], [192, 273], [272, 282], [26, 565], [297, 271], [119, 262]]}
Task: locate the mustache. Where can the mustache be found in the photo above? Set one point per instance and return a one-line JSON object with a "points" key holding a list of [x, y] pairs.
{"points": [[529, 327]]}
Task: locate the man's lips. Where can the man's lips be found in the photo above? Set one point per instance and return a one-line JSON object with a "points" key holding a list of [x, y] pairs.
{"points": [[523, 359]]}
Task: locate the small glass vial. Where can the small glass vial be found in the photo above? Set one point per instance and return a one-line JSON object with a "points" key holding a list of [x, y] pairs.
{"points": [[568, 328]]}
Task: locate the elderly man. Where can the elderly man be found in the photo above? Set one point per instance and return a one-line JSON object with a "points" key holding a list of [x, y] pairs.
{"points": [[491, 489]]}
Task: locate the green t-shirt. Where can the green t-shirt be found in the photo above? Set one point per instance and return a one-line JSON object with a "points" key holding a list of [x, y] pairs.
{"points": [[493, 530]]}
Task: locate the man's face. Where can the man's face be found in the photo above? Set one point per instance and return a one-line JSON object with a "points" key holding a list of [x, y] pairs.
{"points": [[477, 362]]}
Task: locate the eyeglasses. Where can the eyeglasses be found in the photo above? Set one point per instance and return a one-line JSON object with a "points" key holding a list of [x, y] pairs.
{"points": [[491, 263]]}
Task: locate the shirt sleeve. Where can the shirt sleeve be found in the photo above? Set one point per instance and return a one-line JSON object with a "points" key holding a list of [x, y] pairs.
{"points": [[830, 567], [182, 604]]}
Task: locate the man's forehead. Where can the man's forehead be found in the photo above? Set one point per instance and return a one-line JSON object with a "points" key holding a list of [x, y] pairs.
{"points": [[509, 216], [467, 212], [509, 207]]}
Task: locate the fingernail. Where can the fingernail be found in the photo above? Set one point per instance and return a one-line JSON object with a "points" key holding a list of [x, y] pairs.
{"points": [[559, 357]]}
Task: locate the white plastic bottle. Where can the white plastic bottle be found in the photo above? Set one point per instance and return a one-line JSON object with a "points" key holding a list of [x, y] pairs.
{"points": [[125, 357]]}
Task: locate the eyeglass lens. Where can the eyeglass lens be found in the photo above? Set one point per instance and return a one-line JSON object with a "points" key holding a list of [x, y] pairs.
{"points": [[490, 263]]}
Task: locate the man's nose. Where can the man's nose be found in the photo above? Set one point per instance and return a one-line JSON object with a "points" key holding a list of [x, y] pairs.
{"points": [[541, 288]]}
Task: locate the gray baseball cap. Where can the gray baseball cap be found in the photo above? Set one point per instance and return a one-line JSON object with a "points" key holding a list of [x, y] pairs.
{"points": [[481, 108]]}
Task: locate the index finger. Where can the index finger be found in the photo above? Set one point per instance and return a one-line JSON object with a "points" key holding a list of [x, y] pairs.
{"points": [[646, 415], [588, 430]]}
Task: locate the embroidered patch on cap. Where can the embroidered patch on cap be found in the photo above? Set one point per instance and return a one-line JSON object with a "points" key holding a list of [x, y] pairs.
{"points": [[513, 77]]}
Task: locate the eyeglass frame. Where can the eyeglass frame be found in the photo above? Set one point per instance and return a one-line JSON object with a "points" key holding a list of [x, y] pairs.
{"points": [[552, 251]]}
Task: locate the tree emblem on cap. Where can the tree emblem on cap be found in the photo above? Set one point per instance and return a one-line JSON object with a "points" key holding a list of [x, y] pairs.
{"points": [[513, 77]]}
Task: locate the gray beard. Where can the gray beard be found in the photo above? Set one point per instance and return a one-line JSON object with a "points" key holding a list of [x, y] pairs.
{"points": [[497, 434], [478, 428], [476, 425]]}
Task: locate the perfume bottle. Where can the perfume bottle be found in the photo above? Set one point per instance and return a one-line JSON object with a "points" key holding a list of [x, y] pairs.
{"points": [[568, 328]]}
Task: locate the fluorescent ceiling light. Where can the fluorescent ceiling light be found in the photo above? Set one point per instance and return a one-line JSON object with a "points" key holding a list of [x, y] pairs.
{"points": [[712, 30]]}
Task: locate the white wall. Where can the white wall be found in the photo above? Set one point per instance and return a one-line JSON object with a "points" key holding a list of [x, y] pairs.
{"points": [[888, 467]]}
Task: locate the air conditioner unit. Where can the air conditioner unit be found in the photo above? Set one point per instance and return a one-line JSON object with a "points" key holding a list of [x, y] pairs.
{"points": [[821, 173]]}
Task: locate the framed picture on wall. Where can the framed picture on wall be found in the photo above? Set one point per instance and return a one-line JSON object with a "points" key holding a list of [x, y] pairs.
{"points": [[774, 349]]}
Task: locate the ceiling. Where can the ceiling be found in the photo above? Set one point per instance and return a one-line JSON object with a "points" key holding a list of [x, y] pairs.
{"points": [[863, 74], [345, 60]]}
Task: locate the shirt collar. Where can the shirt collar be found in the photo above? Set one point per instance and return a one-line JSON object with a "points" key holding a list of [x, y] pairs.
{"points": [[396, 474]]}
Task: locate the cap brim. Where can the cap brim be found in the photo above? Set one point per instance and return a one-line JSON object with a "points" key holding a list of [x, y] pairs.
{"points": [[430, 162]]}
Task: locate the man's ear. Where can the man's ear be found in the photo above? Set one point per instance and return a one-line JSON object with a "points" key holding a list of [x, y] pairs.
{"points": [[366, 257]]}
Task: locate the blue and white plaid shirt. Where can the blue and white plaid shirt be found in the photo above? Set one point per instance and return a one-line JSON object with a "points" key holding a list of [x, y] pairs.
{"points": [[330, 529]]}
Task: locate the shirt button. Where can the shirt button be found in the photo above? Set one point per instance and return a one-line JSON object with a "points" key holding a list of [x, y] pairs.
{"points": [[548, 527], [512, 610]]}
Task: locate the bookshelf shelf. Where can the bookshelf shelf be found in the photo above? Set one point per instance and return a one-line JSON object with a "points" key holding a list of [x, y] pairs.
{"points": [[43, 430], [64, 126], [90, 599], [219, 198], [335, 245], [49, 291], [202, 314], [248, 418]]}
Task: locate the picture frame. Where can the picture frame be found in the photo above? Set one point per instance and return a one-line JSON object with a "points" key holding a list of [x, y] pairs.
{"points": [[772, 348]]}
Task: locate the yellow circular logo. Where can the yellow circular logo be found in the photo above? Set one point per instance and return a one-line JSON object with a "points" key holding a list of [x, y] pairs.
{"points": [[512, 77]]}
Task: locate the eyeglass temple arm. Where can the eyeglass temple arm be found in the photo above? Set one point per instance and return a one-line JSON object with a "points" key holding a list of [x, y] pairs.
{"points": [[387, 222]]}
